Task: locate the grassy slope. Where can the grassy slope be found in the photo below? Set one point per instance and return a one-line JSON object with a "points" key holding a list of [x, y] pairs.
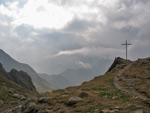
{"points": [[102, 96], [139, 77]]}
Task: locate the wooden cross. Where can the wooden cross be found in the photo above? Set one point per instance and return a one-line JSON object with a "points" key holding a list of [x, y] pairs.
{"points": [[126, 44]]}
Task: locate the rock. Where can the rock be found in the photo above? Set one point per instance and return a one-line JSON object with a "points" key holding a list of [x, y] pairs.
{"points": [[66, 92], [44, 99], [130, 85], [62, 111], [78, 90], [117, 107], [11, 91], [26, 95], [114, 111], [73, 100], [64, 96], [16, 95], [22, 79], [147, 102], [96, 110], [83, 94], [104, 111], [134, 106], [29, 107], [1, 103], [114, 97], [138, 111], [109, 111], [21, 97]]}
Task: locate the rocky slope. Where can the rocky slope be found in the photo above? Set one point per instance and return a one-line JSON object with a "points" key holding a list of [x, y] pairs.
{"points": [[9, 64], [19, 77], [12, 96], [120, 90]]}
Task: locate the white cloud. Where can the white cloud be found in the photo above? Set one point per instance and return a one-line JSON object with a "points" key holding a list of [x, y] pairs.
{"points": [[84, 65], [108, 3], [93, 52], [72, 52], [52, 16], [40, 14], [60, 33]]}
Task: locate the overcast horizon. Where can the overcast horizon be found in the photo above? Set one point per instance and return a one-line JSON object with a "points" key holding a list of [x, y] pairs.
{"points": [[54, 35]]}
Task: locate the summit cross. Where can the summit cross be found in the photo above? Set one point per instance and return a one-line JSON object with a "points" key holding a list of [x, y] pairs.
{"points": [[126, 44]]}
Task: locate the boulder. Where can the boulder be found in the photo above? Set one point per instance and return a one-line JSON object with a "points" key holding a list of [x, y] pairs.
{"points": [[73, 100], [44, 99], [16, 95], [29, 107], [83, 94], [21, 97], [135, 106]]}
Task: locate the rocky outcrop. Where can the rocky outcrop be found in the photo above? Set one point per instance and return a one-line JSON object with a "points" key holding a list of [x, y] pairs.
{"points": [[21, 78], [118, 62]]}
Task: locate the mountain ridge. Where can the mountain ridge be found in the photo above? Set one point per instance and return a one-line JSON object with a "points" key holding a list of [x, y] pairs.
{"points": [[9, 63]]}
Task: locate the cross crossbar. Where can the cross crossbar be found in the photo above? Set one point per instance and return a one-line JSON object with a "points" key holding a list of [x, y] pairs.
{"points": [[126, 44]]}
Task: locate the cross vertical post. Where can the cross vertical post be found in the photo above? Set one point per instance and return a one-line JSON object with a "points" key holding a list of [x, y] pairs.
{"points": [[126, 44]]}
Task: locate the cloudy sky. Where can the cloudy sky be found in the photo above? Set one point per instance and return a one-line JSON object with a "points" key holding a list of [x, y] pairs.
{"points": [[54, 35]]}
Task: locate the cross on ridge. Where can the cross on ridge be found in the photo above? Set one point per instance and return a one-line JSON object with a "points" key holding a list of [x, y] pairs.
{"points": [[126, 44]]}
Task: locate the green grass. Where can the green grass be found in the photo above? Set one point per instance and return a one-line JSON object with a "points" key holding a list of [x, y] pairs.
{"points": [[99, 89]]}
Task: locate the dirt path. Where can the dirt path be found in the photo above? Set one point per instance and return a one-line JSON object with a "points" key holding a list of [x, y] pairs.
{"points": [[127, 91]]}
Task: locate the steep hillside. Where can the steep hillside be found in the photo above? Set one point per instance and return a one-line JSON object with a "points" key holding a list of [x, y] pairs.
{"points": [[9, 64], [12, 96], [123, 89], [21, 78]]}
